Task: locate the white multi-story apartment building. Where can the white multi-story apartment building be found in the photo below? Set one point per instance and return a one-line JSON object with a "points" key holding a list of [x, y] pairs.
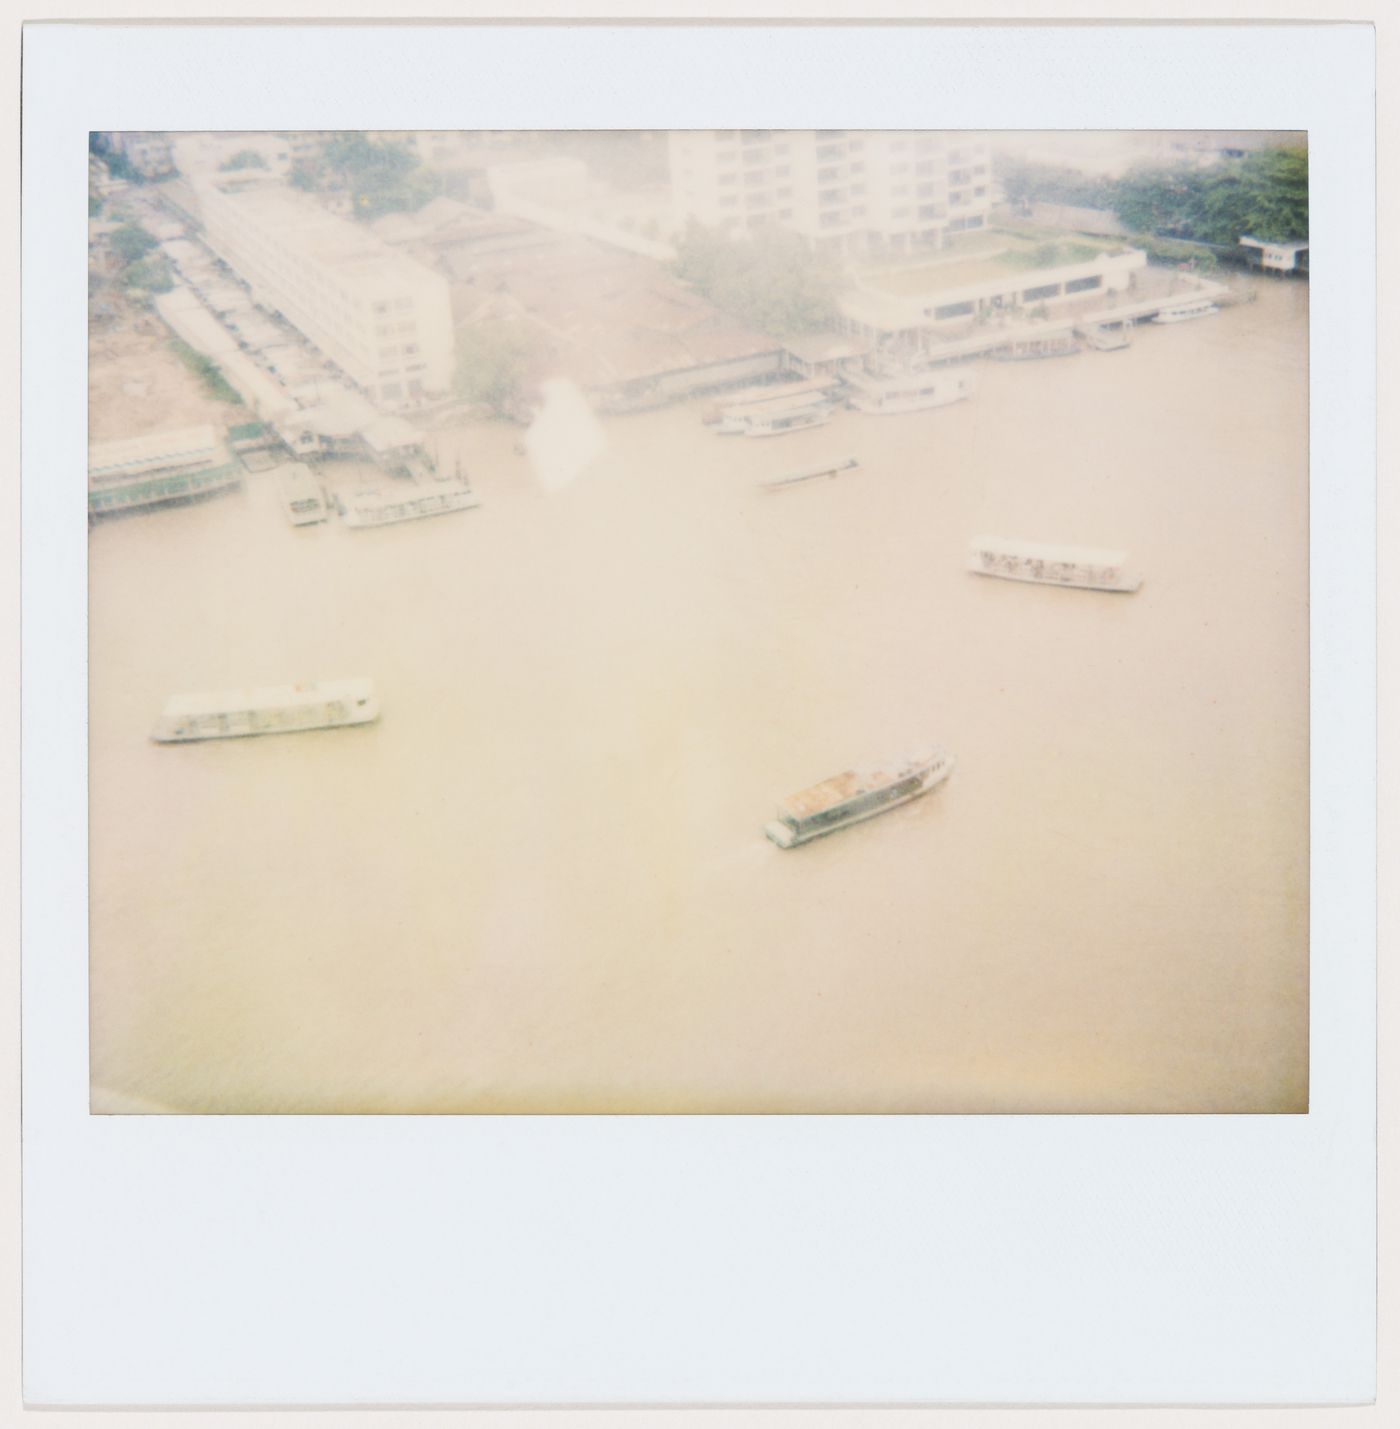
{"points": [[382, 318], [845, 191]]}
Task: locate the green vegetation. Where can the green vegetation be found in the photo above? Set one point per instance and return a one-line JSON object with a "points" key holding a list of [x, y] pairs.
{"points": [[772, 281], [1024, 182], [1055, 254], [131, 242], [94, 206], [379, 177], [497, 365], [152, 274], [244, 159], [1263, 195], [215, 383]]}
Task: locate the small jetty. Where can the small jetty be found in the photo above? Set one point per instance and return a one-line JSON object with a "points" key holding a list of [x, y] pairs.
{"points": [[833, 467], [1104, 337]]}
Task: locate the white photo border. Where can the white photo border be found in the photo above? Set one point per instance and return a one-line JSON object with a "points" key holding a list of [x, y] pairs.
{"points": [[669, 1260]]}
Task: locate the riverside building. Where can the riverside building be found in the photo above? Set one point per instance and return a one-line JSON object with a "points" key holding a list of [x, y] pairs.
{"points": [[845, 191], [382, 318]]}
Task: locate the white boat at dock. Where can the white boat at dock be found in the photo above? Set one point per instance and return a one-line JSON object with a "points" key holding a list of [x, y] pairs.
{"points": [[385, 507], [737, 403], [833, 467], [809, 408], [1085, 568], [274, 709], [849, 798], [301, 494], [793, 419], [1184, 312], [890, 390]]}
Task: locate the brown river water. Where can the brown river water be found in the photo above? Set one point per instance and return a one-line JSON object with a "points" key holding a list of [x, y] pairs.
{"points": [[540, 884]]}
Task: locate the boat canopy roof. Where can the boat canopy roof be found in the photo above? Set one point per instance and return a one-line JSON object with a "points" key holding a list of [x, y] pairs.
{"points": [[1035, 551], [841, 788], [269, 697]]}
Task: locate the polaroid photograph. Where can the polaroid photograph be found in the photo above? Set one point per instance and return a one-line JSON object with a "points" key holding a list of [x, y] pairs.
{"points": [[586, 645]]}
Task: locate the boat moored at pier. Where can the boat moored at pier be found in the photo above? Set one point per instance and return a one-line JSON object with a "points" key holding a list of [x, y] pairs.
{"points": [[856, 795], [1184, 312], [273, 709], [889, 390], [384, 508], [735, 404], [1083, 567], [301, 495]]}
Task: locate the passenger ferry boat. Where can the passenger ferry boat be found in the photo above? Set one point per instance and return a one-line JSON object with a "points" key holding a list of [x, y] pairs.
{"points": [[384, 508], [793, 419], [891, 390], [275, 709], [302, 497], [855, 795], [1083, 567], [782, 412], [834, 467], [1184, 312]]}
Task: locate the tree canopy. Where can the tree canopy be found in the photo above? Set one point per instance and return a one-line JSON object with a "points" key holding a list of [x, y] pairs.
{"points": [[244, 159], [380, 177], [1263, 195], [131, 242], [772, 281], [497, 365]]}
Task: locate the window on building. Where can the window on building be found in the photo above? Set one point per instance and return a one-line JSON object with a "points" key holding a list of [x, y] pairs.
{"points": [[1046, 290], [953, 310], [1082, 285]]}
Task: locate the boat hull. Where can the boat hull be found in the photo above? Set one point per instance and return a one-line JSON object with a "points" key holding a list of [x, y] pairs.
{"points": [[1122, 585], [785, 836], [814, 419], [1186, 315], [288, 710]]}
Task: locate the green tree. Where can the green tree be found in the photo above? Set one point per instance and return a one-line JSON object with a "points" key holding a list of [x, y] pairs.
{"points": [[772, 281], [131, 242], [244, 159], [380, 177], [152, 274], [497, 365]]}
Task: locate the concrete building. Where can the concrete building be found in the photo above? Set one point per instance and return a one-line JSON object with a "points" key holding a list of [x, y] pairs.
{"points": [[843, 190], [953, 298], [383, 319]]}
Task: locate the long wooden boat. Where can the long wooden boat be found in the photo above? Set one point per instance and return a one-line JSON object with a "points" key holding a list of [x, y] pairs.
{"points": [[833, 467]]}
